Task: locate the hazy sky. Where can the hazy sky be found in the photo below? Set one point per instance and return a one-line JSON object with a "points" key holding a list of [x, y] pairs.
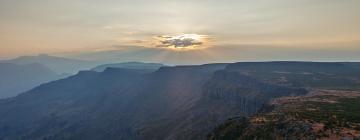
{"points": [[232, 30]]}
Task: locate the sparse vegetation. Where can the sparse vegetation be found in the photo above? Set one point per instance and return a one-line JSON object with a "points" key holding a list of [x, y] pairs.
{"points": [[310, 117]]}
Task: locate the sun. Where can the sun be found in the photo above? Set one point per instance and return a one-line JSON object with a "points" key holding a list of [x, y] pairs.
{"points": [[189, 36], [182, 41]]}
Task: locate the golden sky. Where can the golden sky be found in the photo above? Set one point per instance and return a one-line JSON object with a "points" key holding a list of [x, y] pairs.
{"points": [[30, 27]]}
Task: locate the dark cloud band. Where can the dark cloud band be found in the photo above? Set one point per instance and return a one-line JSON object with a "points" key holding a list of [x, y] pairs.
{"points": [[182, 41]]}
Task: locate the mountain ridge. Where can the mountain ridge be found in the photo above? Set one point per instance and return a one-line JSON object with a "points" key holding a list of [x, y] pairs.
{"points": [[57, 64], [179, 102]]}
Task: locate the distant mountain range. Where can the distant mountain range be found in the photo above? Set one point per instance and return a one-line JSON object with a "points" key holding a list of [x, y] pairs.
{"points": [[26, 72], [180, 102], [59, 65], [150, 67], [15, 79]]}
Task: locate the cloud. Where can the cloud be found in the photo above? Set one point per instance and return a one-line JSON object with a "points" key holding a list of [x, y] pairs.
{"points": [[181, 41]]}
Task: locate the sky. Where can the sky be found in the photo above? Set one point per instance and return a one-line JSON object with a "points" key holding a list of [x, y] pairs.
{"points": [[182, 31]]}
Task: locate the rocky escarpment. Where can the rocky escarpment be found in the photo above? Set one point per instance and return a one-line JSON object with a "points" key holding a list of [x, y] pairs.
{"points": [[244, 92], [324, 114]]}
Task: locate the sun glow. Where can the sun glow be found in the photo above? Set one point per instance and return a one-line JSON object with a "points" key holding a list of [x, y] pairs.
{"points": [[191, 36], [182, 42]]}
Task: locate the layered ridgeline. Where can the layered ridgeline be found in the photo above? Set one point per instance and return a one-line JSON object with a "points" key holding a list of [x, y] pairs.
{"points": [[136, 66], [181, 102], [59, 65], [15, 79]]}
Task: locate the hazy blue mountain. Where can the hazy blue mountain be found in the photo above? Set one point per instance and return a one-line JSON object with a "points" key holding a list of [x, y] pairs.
{"points": [[148, 67], [57, 64], [15, 79], [181, 102]]}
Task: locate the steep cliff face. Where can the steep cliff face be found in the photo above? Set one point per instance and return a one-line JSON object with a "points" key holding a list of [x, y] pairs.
{"points": [[247, 94], [226, 94]]}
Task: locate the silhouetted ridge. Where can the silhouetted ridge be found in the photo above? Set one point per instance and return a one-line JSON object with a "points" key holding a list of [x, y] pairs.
{"points": [[206, 68], [145, 67]]}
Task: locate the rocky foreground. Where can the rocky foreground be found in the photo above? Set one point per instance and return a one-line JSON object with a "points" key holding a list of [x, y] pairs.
{"points": [[323, 114]]}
